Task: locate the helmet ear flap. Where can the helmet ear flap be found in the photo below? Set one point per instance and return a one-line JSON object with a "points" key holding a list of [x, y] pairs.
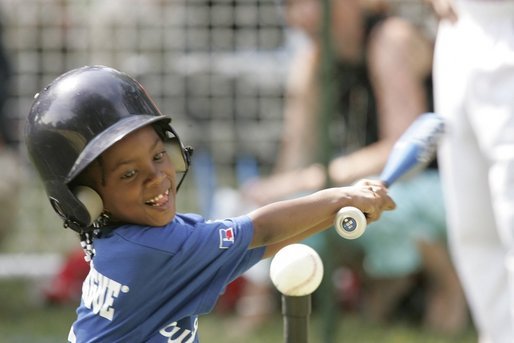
{"points": [[91, 201]]}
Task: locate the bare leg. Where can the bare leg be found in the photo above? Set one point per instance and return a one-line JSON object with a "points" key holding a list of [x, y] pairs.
{"points": [[400, 60], [382, 297], [446, 307]]}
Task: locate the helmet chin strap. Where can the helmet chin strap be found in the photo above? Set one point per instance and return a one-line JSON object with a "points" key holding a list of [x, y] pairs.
{"points": [[86, 242]]}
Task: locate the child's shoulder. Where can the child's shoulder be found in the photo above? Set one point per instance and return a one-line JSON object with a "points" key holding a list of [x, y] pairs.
{"points": [[185, 229], [182, 224], [188, 219], [168, 238], [193, 219], [182, 220]]}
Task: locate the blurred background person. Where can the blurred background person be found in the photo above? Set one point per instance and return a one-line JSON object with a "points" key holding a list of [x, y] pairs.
{"points": [[9, 155], [474, 85], [382, 78]]}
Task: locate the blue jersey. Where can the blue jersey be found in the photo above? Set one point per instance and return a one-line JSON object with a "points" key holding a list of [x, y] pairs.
{"points": [[149, 284]]}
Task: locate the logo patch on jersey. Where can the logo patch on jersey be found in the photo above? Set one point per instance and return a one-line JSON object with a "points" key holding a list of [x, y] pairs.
{"points": [[226, 238]]}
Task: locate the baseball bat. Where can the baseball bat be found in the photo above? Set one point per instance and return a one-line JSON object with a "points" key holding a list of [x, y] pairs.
{"points": [[415, 148]]}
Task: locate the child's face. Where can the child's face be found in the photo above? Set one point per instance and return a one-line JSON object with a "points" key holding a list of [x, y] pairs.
{"points": [[136, 180]]}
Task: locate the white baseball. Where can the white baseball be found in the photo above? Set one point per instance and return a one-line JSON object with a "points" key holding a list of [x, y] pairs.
{"points": [[296, 270]]}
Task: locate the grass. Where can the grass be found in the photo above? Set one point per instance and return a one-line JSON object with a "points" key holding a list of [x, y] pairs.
{"points": [[24, 318], [349, 329]]}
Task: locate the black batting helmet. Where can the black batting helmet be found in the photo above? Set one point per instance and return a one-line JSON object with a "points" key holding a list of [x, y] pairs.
{"points": [[76, 118]]}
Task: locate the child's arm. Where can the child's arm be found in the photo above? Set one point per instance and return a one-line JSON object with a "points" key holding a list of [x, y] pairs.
{"points": [[285, 222]]}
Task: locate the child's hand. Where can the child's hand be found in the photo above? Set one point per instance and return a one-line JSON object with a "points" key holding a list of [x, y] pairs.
{"points": [[372, 198]]}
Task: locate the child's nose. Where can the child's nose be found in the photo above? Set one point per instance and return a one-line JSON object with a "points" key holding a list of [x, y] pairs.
{"points": [[154, 174]]}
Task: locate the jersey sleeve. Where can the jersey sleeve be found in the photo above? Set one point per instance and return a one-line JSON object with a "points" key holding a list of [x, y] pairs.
{"points": [[224, 246], [204, 256]]}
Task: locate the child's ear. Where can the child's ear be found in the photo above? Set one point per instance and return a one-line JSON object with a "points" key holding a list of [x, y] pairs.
{"points": [[176, 154], [91, 201]]}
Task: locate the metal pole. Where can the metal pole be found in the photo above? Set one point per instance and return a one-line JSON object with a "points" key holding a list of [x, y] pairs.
{"points": [[329, 310], [296, 312]]}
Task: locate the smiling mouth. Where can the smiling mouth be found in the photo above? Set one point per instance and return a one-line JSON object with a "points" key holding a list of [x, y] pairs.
{"points": [[159, 200]]}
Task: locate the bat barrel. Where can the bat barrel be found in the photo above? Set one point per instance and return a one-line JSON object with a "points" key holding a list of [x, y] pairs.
{"points": [[402, 160], [415, 148]]}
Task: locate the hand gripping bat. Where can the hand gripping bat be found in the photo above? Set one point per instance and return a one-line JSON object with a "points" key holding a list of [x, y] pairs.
{"points": [[411, 153]]}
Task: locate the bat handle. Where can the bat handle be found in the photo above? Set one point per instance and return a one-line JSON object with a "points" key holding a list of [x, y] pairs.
{"points": [[350, 222]]}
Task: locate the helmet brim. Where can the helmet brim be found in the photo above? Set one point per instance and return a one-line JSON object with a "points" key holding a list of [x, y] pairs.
{"points": [[109, 137]]}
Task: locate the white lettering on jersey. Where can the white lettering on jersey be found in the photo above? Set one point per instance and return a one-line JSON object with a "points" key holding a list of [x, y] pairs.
{"points": [[99, 293], [176, 334]]}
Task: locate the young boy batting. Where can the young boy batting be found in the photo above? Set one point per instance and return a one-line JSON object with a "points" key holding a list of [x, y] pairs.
{"points": [[111, 164]]}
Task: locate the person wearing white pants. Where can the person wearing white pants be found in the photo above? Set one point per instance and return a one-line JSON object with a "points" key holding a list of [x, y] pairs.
{"points": [[474, 90]]}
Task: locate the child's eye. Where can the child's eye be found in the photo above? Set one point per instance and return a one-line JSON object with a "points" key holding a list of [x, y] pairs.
{"points": [[128, 174], [159, 156]]}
